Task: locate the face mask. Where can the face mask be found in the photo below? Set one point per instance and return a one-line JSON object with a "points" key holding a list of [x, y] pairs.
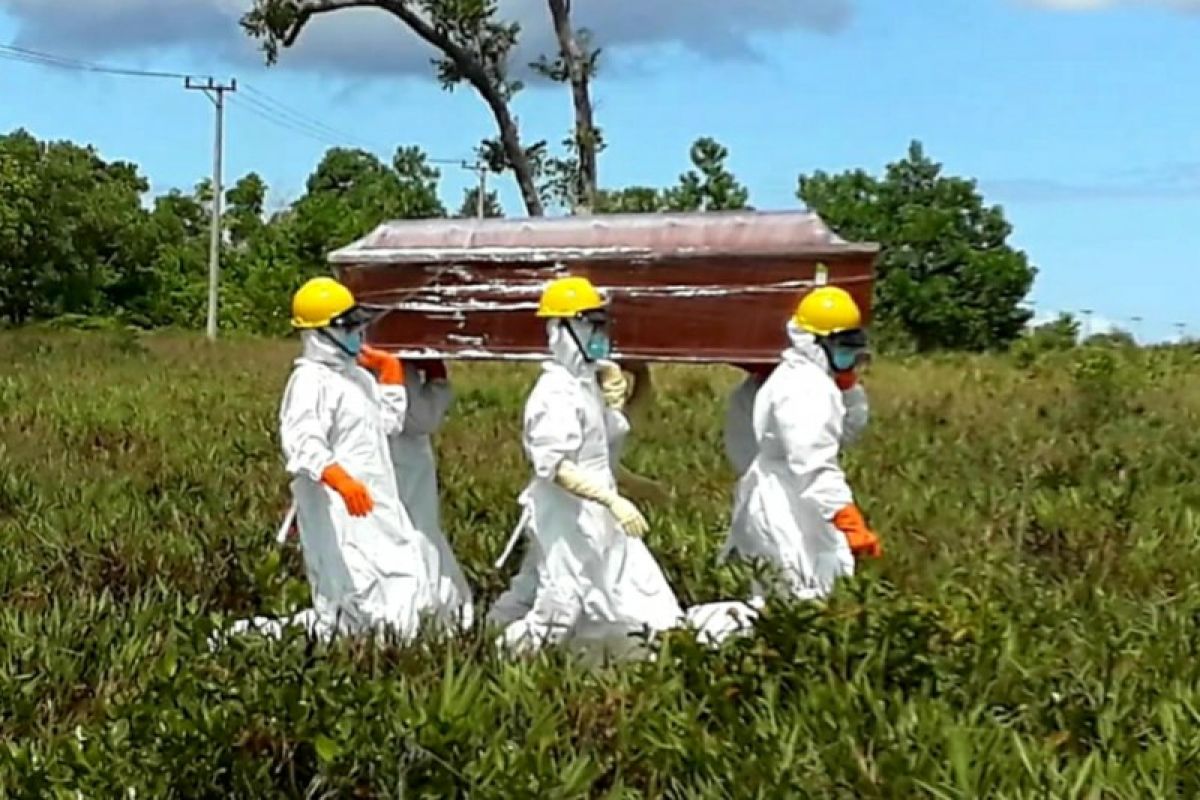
{"points": [[598, 346], [349, 342], [353, 342], [843, 359]]}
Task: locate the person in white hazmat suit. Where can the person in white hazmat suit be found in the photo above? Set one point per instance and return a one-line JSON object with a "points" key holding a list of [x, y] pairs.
{"points": [[369, 568], [740, 445], [583, 574], [582, 530], [429, 396], [793, 507], [518, 599]]}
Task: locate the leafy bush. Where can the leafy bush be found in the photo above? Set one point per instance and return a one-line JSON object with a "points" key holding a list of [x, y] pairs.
{"points": [[1030, 633]]}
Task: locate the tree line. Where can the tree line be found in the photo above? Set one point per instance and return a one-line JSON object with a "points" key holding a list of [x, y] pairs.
{"points": [[76, 240], [80, 240]]}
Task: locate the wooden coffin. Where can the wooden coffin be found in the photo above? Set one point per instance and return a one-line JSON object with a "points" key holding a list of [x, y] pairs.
{"points": [[707, 287]]}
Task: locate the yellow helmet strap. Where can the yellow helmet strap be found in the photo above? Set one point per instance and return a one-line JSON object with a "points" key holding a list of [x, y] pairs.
{"points": [[566, 325]]}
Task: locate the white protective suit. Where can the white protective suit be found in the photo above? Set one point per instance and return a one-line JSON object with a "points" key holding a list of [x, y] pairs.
{"points": [[591, 579], [788, 494], [376, 572], [714, 622], [740, 445], [416, 479]]}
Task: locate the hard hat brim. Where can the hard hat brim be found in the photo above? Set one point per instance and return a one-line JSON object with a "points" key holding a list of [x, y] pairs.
{"points": [[305, 325], [354, 317], [550, 313]]}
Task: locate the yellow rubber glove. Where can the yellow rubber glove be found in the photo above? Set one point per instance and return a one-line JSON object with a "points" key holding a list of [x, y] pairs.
{"points": [[613, 384], [579, 483]]}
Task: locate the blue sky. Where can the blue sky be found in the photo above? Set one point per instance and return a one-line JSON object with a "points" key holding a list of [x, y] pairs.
{"points": [[1080, 117]]}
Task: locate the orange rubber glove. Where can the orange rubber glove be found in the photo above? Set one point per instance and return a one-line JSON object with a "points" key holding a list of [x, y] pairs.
{"points": [[845, 380], [863, 543], [385, 365], [356, 496]]}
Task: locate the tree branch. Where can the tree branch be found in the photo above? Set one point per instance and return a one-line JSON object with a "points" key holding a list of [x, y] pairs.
{"points": [[491, 88], [306, 9], [578, 66], [492, 94]]}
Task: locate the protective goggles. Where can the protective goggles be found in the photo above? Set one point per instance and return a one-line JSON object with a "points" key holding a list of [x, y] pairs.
{"points": [[854, 339], [357, 317], [596, 316], [846, 349]]}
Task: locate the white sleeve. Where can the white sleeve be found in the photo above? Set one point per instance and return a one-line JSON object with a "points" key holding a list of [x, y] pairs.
{"points": [[553, 430], [616, 429], [428, 402], [858, 412], [393, 404], [305, 420], [809, 427]]}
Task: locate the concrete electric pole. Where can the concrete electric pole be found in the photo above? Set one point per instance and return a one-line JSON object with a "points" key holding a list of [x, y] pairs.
{"points": [[481, 170], [216, 93]]}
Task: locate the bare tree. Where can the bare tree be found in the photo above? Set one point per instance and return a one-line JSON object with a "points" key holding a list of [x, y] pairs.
{"points": [[474, 45], [576, 65]]}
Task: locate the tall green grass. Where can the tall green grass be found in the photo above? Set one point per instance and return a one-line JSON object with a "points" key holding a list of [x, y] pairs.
{"points": [[1031, 632]]}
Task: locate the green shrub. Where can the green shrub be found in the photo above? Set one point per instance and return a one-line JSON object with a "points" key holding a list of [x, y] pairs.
{"points": [[1031, 631]]}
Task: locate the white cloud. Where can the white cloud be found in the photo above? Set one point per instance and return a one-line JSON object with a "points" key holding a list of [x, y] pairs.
{"points": [[369, 41]]}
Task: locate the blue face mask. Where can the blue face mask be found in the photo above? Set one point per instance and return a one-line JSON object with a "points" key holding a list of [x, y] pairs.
{"points": [[843, 358], [598, 346], [353, 342], [350, 341]]}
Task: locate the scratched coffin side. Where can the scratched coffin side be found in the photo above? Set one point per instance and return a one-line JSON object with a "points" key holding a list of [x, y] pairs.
{"points": [[698, 287]]}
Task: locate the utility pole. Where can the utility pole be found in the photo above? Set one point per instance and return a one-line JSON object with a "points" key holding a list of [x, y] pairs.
{"points": [[216, 93], [480, 202], [481, 170]]}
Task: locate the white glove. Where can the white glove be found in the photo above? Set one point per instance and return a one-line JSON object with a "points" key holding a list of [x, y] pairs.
{"points": [[613, 384], [581, 484], [629, 518]]}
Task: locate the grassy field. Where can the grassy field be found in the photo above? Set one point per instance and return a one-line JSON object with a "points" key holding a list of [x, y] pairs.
{"points": [[1032, 631]]}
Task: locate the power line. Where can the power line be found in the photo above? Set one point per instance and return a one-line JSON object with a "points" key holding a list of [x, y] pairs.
{"points": [[255, 101], [273, 111], [38, 58], [270, 105], [258, 109]]}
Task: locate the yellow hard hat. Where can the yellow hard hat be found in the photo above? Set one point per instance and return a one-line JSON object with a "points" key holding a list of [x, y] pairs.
{"points": [[319, 302], [827, 310], [569, 297]]}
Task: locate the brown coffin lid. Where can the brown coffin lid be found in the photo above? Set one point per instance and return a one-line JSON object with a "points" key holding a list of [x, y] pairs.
{"points": [[640, 237]]}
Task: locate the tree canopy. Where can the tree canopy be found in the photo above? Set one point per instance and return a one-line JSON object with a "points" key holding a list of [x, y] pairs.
{"points": [[78, 238], [947, 278], [708, 186]]}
